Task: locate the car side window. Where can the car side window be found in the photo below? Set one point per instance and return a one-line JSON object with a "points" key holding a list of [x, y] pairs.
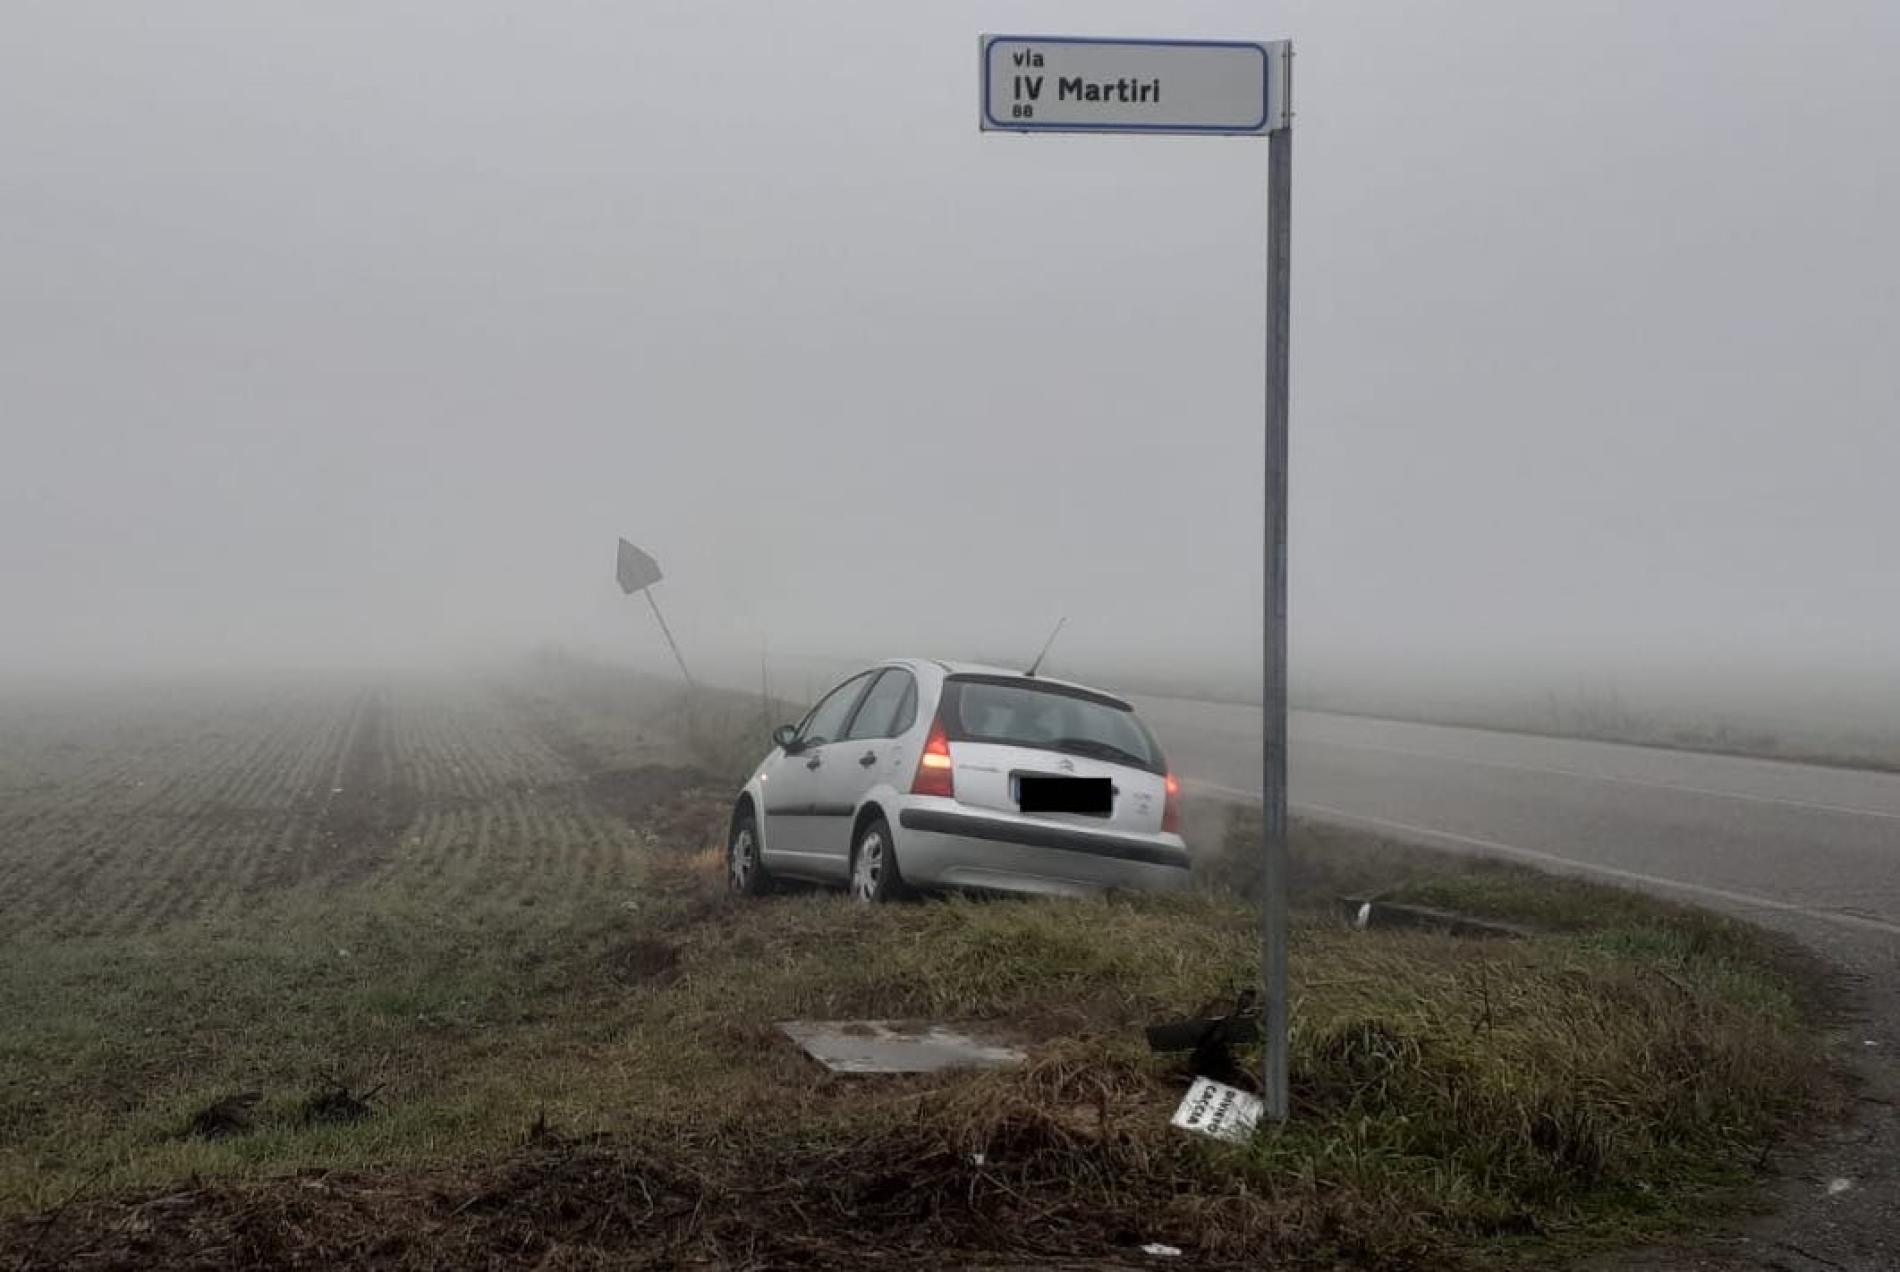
{"points": [[906, 708], [881, 713], [826, 721]]}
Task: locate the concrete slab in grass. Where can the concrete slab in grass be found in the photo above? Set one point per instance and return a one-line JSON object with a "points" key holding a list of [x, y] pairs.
{"points": [[890, 1046]]}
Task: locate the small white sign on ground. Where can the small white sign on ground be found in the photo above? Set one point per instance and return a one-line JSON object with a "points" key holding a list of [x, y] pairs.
{"points": [[1055, 83], [1215, 1109]]}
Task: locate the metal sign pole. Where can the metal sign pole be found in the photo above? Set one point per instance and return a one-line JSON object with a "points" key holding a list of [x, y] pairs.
{"points": [[1273, 710], [1236, 88], [637, 571], [668, 633]]}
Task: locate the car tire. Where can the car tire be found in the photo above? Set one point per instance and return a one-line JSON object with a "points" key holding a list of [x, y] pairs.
{"points": [[874, 874], [745, 866]]}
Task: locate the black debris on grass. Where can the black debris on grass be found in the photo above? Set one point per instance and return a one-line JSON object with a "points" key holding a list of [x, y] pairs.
{"points": [[225, 1116], [337, 1104]]}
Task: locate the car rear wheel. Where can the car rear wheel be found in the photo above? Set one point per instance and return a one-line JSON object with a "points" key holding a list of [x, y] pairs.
{"points": [[874, 876], [745, 869]]}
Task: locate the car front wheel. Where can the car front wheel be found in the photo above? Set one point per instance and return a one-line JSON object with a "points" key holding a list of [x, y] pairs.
{"points": [[745, 870], [874, 875]]}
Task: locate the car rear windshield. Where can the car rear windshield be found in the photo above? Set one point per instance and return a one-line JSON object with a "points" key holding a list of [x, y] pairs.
{"points": [[1047, 717]]}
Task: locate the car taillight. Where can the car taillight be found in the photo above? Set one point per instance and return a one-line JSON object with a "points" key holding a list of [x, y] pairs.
{"points": [[934, 776], [1171, 807]]}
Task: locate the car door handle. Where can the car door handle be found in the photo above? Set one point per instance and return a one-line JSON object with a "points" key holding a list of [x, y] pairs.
{"points": [[868, 759], [813, 762]]}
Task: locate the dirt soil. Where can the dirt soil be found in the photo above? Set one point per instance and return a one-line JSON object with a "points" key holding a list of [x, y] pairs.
{"points": [[368, 806], [583, 1204]]}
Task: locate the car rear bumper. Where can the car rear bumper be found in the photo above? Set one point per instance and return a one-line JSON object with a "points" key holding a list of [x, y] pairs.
{"points": [[945, 847]]}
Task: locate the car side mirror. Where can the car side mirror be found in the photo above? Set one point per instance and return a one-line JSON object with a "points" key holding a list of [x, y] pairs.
{"points": [[785, 738]]}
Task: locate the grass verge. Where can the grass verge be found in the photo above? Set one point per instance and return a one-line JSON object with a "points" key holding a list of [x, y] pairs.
{"points": [[596, 1081]]}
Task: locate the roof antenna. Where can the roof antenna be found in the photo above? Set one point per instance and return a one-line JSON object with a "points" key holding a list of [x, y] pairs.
{"points": [[1045, 646]]}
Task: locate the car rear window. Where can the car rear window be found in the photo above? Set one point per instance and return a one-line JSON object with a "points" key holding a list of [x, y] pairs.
{"points": [[1049, 718]]}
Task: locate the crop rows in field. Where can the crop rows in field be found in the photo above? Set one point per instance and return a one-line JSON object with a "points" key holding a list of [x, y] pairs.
{"points": [[118, 819], [501, 813], [212, 802], [596, 719], [517, 850], [454, 747]]}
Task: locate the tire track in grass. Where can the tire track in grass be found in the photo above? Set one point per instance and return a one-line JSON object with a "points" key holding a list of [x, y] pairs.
{"points": [[442, 823], [362, 822]]}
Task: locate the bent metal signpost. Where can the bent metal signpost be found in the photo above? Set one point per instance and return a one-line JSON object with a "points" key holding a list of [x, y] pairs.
{"points": [[1241, 88]]}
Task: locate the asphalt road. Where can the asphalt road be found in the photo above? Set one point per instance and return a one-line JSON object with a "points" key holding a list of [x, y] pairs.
{"points": [[1811, 850]]}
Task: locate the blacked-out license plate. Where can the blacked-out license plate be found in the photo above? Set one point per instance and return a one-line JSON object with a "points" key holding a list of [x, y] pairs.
{"points": [[1090, 796]]}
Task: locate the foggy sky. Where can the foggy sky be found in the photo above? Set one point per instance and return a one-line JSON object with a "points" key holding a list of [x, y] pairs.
{"points": [[360, 331]]}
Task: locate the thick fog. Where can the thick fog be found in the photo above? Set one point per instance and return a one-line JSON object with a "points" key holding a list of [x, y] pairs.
{"points": [[358, 332]]}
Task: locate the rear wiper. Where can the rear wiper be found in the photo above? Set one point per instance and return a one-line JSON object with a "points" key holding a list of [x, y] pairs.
{"points": [[1101, 750]]}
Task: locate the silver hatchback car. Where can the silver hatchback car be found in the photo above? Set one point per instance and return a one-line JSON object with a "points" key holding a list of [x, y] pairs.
{"points": [[931, 775]]}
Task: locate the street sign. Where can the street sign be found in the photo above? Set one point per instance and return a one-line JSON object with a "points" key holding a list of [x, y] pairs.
{"points": [[634, 569], [1053, 83], [637, 571], [1039, 83]]}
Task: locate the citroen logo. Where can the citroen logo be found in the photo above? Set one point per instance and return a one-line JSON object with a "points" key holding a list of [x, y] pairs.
{"points": [[1067, 766]]}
